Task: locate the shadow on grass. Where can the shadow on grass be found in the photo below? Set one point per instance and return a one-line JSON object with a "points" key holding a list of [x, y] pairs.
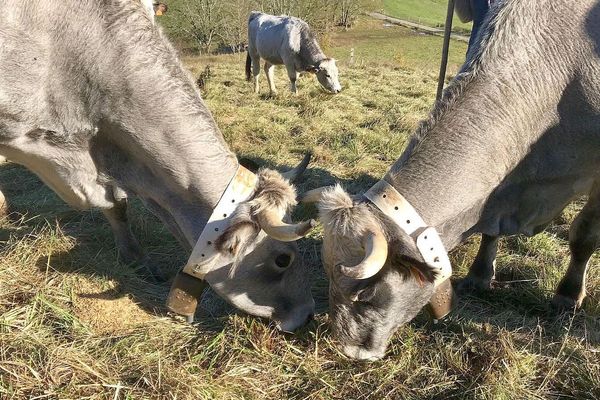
{"points": [[518, 301], [33, 206], [522, 305]]}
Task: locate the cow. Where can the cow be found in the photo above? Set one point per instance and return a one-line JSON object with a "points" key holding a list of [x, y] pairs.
{"points": [[153, 7], [287, 40], [514, 139], [94, 100]]}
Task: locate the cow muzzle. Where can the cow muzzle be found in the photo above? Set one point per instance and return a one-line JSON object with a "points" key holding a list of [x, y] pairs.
{"points": [[363, 354], [297, 318]]}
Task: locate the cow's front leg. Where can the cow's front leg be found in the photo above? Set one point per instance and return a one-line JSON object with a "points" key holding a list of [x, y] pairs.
{"points": [[293, 75], [483, 269], [256, 72], [130, 251], [584, 237], [270, 72]]}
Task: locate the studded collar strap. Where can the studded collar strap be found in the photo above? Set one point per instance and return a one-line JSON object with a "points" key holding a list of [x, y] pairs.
{"points": [[427, 239], [205, 257]]}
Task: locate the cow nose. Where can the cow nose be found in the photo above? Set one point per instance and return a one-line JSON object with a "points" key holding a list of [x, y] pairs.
{"points": [[299, 317], [309, 318], [363, 354]]}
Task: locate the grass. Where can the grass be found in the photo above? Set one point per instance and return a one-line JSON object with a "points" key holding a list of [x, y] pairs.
{"points": [[74, 324], [426, 12]]}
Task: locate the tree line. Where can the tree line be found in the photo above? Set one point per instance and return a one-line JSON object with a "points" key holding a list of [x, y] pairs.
{"points": [[221, 25]]}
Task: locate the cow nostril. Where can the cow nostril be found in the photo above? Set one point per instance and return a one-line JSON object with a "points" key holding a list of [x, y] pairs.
{"points": [[309, 318]]}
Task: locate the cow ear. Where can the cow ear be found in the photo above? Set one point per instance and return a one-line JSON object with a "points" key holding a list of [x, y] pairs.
{"points": [[406, 257]]}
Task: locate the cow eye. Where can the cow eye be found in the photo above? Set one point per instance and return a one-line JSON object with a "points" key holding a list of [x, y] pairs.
{"points": [[327, 76], [283, 260]]}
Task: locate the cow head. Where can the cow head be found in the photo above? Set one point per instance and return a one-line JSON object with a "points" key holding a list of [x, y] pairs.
{"points": [[271, 280], [327, 75], [378, 280], [159, 8]]}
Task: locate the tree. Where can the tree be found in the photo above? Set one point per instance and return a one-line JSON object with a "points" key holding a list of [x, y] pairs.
{"points": [[347, 12], [201, 20]]}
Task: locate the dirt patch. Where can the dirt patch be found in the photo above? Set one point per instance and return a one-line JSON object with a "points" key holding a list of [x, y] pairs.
{"points": [[105, 309]]}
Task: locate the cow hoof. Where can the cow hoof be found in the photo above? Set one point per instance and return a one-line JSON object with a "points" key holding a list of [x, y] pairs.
{"points": [[564, 304], [471, 284]]}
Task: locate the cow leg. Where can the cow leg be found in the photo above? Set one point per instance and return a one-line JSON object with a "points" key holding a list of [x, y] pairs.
{"points": [[256, 72], [3, 205], [483, 269], [130, 251], [584, 238], [293, 75], [270, 72]]}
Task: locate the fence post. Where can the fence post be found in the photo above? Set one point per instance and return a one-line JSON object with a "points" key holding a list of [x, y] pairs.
{"points": [[445, 49]]}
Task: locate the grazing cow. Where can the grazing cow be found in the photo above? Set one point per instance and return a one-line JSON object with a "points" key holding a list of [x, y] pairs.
{"points": [[287, 40], [94, 100], [153, 7], [514, 139]]}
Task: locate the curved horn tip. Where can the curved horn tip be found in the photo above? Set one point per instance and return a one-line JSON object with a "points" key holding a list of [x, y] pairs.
{"points": [[350, 272], [314, 195], [305, 227], [376, 252], [296, 172], [282, 231]]}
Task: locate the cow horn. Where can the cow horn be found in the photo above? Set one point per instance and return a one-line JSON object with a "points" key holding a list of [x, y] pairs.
{"points": [[272, 224], [376, 251], [314, 195], [293, 174]]}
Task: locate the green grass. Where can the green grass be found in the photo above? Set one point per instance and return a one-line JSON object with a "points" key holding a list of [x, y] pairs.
{"points": [[374, 43], [76, 324], [426, 12]]}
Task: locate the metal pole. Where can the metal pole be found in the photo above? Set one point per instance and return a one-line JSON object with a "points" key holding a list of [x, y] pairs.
{"points": [[445, 48]]}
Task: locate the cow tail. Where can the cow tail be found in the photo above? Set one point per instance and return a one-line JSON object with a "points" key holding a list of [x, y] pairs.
{"points": [[248, 67]]}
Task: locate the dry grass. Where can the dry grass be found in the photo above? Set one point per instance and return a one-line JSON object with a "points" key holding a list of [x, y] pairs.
{"points": [[75, 324]]}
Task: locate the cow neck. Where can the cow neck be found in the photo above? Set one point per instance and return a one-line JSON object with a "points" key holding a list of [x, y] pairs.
{"points": [[176, 159], [182, 185], [310, 52], [462, 158]]}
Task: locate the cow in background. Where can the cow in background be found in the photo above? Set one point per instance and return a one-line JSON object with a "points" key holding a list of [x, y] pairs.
{"points": [[289, 41]]}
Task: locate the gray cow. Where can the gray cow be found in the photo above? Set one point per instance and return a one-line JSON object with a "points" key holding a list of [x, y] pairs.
{"points": [[94, 100], [515, 138], [287, 40]]}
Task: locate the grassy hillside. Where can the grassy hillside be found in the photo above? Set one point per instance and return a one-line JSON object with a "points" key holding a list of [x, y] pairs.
{"points": [[74, 324], [427, 12]]}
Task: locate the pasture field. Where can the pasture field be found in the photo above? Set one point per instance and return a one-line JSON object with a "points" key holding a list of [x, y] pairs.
{"points": [[74, 324], [426, 12]]}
